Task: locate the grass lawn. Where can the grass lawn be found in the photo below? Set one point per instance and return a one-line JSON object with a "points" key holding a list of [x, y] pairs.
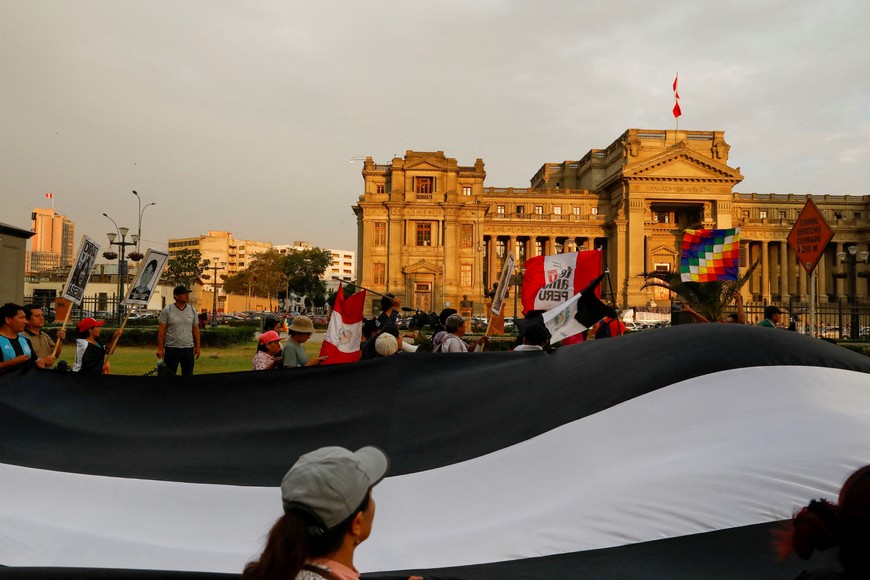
{"points": [[138, 360]]}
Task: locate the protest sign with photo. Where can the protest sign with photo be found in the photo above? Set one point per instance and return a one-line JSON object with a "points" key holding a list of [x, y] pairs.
{"points": [[503, 282], [147, 278], [80, 273]]}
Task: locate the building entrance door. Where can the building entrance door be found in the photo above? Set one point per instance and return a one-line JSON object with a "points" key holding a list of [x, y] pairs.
{"points": [[661, 294], [423, 296]]}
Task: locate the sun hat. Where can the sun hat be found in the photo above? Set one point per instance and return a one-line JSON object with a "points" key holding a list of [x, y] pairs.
{"points": [[386, 344], [331, 482], [302, 324], [89, 323], [181, 289], [269, 336]]}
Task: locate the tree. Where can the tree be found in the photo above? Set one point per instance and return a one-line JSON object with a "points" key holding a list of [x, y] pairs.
{"points": [[264, 276], [709, 299], [186, 267], [304, 270]]}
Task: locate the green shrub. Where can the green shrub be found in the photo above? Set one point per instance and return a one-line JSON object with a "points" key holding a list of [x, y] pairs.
{"points": [[147, 336]]}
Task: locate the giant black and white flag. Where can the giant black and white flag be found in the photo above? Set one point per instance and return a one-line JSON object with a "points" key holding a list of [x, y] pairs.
{"points": [[664, 454]]}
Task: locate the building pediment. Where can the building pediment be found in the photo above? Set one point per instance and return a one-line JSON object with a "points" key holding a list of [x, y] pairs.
{"points": [[424, 165], [422, 267], [664, 254], [682, 164]]}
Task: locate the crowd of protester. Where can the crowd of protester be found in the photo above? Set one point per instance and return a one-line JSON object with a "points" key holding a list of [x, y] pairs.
{"points": [[23, 342]]}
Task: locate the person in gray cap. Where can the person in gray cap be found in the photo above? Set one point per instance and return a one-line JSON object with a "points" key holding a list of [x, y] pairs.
{"points": [[452, 341], [328, 512], [178, 333]]}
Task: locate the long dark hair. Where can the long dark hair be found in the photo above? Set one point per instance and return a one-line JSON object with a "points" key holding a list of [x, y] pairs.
{"points": [[294, 539], [822, 525]]}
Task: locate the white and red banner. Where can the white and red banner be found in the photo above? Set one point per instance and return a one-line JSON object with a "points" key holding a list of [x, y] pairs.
{"points": [[551, 280], [342, 341]]}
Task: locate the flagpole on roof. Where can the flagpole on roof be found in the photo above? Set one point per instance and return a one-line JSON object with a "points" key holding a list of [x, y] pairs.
{"points": [[677, 111]]}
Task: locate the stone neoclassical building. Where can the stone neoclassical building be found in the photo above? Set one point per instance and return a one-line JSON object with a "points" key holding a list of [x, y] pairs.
{"points": [[431, 233]]}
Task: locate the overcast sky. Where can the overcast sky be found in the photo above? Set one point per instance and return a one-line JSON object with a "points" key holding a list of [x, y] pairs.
{"points": [[244, 116]]}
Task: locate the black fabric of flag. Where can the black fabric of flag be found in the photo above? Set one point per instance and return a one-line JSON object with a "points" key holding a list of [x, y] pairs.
{"points": [[662, 454]]}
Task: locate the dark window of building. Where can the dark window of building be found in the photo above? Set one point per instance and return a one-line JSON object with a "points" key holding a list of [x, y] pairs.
{"points": [[424, 186], [378, 273], [424, 234], [380, 234], [381, 188], [465, 272], [467, 236]]}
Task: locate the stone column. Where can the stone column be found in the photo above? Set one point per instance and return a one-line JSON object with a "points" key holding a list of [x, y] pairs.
{"points": [[512, 247], [490, 260], [765, 271], [552, 248], [822, 276], [803, 280], [783, 270], [839, 283]]}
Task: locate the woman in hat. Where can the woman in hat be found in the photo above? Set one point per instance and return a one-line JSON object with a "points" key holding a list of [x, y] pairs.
{"points": [[294, 355], [328, 512], [90, 352], [268, 355]]}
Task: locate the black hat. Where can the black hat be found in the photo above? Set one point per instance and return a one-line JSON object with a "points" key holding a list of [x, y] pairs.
{"points": [[771, 310], [181, 289]]}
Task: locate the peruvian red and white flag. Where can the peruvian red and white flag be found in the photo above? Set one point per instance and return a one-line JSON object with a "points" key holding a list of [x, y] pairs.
{"points": [[551, 280], [342, 341], [677, 110], [49, 196]]}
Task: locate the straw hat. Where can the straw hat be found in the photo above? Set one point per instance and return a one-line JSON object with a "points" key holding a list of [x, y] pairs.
{"points": [[302, 324]]}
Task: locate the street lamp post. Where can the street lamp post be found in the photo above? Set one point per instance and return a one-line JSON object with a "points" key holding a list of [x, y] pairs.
{"points": [[850, 259], [141, 212], [122, 261], [517, 280], [214, 267]]}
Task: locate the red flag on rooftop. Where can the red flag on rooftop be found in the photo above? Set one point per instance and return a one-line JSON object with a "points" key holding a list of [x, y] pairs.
{"points": [[342, 341], [677, 110]]}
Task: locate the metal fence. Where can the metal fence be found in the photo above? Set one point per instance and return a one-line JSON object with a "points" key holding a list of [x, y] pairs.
{"points": [[833, 320], [101, 307]]}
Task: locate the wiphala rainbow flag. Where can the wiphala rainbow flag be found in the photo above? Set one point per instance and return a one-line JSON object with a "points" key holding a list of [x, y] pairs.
{"points": [[710, 255]]}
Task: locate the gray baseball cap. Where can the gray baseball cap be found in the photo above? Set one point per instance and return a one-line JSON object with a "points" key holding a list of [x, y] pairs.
{"points": [[332, 482]]}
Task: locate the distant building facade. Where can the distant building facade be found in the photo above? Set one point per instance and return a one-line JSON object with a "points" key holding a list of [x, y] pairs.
{"points": [[13, 251], [53, 242], [234, 255], [431, 233]]}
